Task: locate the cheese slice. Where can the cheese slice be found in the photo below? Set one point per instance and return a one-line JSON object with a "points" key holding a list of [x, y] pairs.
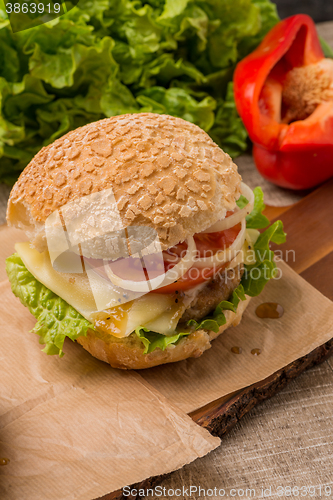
{"points": [[76, 290], [166, 323], [251, 236], [73, 288]]}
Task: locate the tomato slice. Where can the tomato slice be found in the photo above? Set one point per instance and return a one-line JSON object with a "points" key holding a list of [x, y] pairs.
{"points": [[210, 243], [207, 245]]}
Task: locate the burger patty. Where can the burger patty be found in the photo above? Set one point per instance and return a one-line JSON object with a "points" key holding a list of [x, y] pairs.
{"points": [[217, 289]]}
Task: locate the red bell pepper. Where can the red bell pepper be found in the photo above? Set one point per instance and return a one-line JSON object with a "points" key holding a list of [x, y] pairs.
{"points": [[284, 95]]}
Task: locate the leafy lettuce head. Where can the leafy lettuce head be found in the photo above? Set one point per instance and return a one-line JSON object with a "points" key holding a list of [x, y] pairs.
{"points": [[109, 57]]}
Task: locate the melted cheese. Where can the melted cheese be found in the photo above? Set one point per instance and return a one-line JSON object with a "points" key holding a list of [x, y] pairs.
{"points": [[167, 322], [156, 312], [251, 237], [73, 288], [76, 290], [89, 295]]}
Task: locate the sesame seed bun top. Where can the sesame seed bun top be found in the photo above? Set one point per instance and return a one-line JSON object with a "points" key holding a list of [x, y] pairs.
{"points": [[165, 173]]}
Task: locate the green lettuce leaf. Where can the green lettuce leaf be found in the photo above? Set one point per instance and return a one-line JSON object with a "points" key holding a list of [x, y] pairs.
{"points": [[268, 18], [218, 318], [256, 275], [108, 57], [153, 340], [228, 130], [242, 202], [178, 102], [256, 219], [327, 49], [56, 319]]}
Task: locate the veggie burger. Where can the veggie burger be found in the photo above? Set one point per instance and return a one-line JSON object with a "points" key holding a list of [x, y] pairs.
{"points": [[143, 241]]}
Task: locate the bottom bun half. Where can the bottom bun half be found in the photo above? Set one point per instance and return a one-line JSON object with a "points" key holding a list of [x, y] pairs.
{"points": [[128, 353]]}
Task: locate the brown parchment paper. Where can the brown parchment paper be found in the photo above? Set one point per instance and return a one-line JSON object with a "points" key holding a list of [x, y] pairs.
{"points": [[306, 324], [73, 428], [40, 393]]}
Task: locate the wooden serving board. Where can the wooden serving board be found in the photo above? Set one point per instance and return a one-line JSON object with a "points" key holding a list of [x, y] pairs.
{"points": [[309, 225]]}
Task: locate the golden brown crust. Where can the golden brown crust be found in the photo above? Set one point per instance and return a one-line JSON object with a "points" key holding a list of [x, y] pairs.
{"points": [[128, 353], [165, 172]]}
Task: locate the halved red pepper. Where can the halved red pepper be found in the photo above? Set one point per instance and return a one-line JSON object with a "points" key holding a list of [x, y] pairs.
{"points": [[284, 95]]}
